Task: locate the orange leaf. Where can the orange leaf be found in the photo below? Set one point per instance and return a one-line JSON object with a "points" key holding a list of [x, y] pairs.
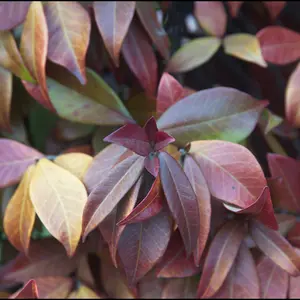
{"points": [[33, 47], [5, 98], [59, 197], [69, 28], [20, 215], [244, 46]]}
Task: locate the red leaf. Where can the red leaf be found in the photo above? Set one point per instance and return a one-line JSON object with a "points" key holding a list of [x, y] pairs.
{"points": [[142, 244], [242, 281], [150, 206], [294, 235], [131, 136], [212, 16], [12, 13], [288, 169], [139, 55], [274, 8], [169, 92], [276, 247], [152, 165], [279, 45], [110, 228], [15, 158], [28, 291], [162, 139], [198, 182], [151, 129], [234, 7], [220, 258], [274, 280], [174, 263], [181, 199], [147, 14]]}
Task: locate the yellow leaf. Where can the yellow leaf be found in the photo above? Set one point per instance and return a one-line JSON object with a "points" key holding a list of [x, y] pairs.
{"points": [[59, 198], [76, 163], [83, 293], [244, 46], [20, 215]]}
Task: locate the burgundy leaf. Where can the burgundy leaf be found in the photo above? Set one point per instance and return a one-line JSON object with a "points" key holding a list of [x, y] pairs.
{"points": [[162, 139], [181, 199], [142, 244], [151, 129], [152, 164]]}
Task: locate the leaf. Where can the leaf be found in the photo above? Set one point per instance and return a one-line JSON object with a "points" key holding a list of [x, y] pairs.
{"points": [[20, 215], [274, 280], [169, 92], [99, 135], [279, 45], [142, 244], [5, 98], [193, 54], [174, 263], [28, 291], [15, 158], [198, 182], [86, 149], [292, 108], [113, 20], [220, 258], [150, 287], [274, 8], [147, 15], [83, 292], [110, 231], [234, 7], [180, 288], [102, 163], [10, 57], [69, 28], [33, 47], [285, 168], [268, 121], [12, 13], [225, 114], [294, 235], [59, 198], [221, 164], [150, 206], [53, 287], [110, 190], [75, 163], [244, 46], [242, 281], [276, 247], [211, 16], [140, 58], [293, 290], [181, 200], [285, 223]]}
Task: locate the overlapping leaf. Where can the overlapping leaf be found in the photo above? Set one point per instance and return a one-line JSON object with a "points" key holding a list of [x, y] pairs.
{"points": [[225, 114], [28, 291], [69, 29], [180, 288], [268, 121], [59, 198]]}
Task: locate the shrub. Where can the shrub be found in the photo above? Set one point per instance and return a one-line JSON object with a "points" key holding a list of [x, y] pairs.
{"points": [[122, 177]]}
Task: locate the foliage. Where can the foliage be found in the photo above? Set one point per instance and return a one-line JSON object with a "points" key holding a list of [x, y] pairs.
{"points": [[122, 178]]}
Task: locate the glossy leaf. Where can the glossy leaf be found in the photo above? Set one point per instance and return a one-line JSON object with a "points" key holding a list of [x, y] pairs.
{"points": [[193, 54], [76, 163], [5, 98], [285, 168], [181, 199], [220, 258], [12, 13], [211, 16], [174, 263], [59, 198], [33, 47], [221, 164], [110, 228], [148, 17], [69, 29], [244, 46], [20, 215], [110, 190], [274, 280], [279, 45], [242, 281], [198, 182], [225, 114], [28, 291], [169, 92], [142, 244], [139, 56], [150, 206], [234, 7], [276, 247], [15, 158], [274, 8], [113, 19]]}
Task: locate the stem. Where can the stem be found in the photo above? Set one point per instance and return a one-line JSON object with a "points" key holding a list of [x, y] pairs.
{"points": [[274, 144]]}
